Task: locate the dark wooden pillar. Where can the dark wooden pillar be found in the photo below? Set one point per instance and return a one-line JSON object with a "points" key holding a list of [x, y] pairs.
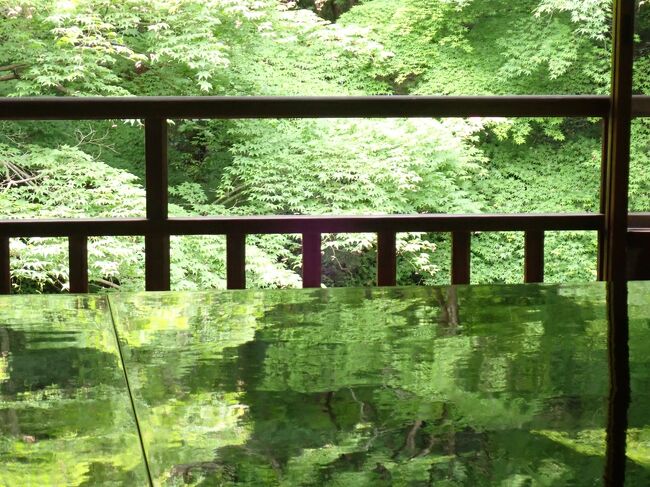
{"points": [[534, 256], [311, 260], [5, 268], [236, 261], [386, 259], [78, 263], [460, 257], [156, 245], [614, 266]]}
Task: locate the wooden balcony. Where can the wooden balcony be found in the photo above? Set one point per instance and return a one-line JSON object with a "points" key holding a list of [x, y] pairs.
{"points": [[158, 226]]}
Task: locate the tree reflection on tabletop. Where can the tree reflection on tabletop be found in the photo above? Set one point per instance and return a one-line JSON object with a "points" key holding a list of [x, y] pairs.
{"points": [[65, 416], [502, 385]]}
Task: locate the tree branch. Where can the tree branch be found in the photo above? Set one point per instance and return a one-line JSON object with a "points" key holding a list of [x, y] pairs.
{"points": [[104, 282], [12, 67], [14, 71], [409, 441], [62, 89]]}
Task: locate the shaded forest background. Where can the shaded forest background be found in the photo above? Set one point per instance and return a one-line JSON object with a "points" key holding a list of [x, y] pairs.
{"points": [[321, 47]]}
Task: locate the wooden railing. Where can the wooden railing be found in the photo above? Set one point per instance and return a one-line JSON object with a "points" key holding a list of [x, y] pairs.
{"points": [[158, 226]]}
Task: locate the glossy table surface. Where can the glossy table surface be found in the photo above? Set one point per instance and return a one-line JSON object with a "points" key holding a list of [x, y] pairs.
{"points": [[476, 385]]}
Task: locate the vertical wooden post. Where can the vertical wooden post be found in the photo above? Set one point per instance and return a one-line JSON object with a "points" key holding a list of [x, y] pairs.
{"points": [[604, 195], [311, 260], [5, 268], [386, 259], [156, 244], [78, 263], [616, 213], [534, 256], [460, 257], [236, 261], [618, 150]]}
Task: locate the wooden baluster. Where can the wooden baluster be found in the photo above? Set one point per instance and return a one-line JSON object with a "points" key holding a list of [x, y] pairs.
{"points": [[156, 244], [311, 260], [534, 256], [5, 269], [78, 263], [236, 261], [386, 259], [460, 257]]}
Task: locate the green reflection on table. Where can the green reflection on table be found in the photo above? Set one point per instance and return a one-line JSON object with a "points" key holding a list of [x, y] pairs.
{"points": [[481, 385], [65, 414], [638, 437]]}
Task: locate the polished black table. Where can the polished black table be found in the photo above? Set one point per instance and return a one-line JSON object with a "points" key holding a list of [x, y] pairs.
{"points": [[476, 385]]}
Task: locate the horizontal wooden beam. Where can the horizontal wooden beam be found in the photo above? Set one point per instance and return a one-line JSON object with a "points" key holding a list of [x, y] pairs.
{"points": [[234, 107], [641, 106], [284, 224]]}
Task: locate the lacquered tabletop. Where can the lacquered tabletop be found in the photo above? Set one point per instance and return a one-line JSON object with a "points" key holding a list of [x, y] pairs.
{"points": [[477, 385]]}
